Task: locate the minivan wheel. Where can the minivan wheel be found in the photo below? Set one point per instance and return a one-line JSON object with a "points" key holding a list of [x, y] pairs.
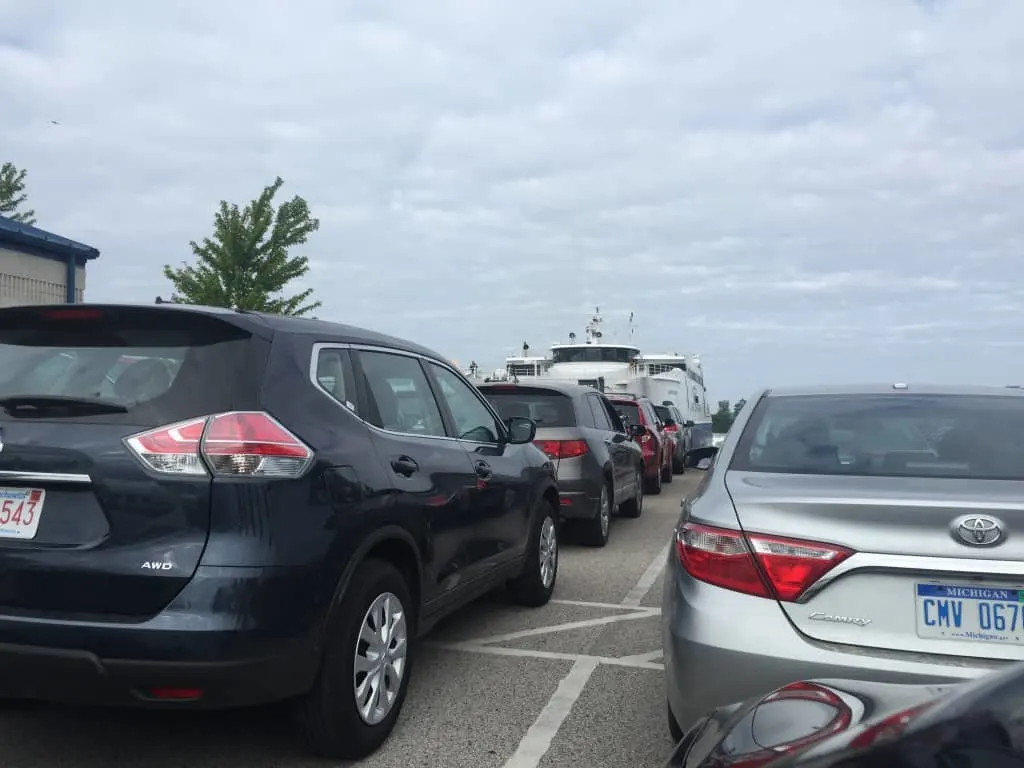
{"points": [[364, 674], [635, 506], [534, 586], [595, 530]]}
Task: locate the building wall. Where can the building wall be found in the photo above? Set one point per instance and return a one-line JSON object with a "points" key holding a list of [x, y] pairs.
{"points": [[27, 279]]}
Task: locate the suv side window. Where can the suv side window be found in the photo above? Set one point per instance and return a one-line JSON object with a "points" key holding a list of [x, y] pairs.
{"points": [[613, 415], [473, 419], [398, 395], [333, 373], [600, 415]]}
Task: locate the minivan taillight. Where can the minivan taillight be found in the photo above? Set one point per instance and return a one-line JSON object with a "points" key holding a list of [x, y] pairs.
{"points": [[239, 443], [562, 449], [753, 563]]}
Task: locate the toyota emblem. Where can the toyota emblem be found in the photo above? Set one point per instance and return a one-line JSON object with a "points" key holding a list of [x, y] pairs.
{"points": [[978, 530]]}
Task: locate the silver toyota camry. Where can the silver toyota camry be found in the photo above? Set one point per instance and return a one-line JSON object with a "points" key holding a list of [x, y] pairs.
{"points": [[865, 532]]}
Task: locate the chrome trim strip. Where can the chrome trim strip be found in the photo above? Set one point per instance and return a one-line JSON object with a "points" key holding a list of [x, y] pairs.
{"points": [[869, 563], [66, 478], [316, 383], [390, 351]]}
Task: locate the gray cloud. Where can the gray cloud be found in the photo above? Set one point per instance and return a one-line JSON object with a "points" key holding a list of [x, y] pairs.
{"points": [[799, 191]]}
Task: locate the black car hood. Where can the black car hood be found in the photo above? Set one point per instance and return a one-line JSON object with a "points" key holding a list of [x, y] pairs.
{"points": [[800, 722]]}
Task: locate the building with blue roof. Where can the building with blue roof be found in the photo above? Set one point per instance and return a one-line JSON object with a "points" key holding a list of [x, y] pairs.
{"points": [[39, 267]]}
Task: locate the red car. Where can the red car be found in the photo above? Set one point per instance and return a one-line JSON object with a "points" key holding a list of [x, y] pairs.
{"points": [[658, 447]]}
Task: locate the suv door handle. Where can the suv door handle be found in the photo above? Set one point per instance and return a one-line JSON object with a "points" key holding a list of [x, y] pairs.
{"points": [[483, 470], [404, 466]]}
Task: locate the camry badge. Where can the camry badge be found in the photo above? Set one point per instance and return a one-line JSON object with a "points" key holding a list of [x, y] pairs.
{"points": [[856, 621], [978, 530]]}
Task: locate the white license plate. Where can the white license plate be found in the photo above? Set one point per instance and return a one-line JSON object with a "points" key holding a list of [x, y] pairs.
{"points": [[962, 612], [20, 510]]}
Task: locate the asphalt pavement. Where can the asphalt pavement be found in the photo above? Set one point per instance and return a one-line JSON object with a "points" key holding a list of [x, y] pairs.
{"points": [[575, 683]]}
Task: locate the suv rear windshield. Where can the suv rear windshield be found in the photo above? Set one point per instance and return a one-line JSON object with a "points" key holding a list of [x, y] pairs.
{"points": [[546, 407], [899, 435], [155, 366], [628, 412]]}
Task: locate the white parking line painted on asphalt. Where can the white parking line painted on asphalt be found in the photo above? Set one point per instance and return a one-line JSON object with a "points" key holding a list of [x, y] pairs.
{"points": [[642, 587], [538, 738], [633, 662], [644, 613], [590, 604]]}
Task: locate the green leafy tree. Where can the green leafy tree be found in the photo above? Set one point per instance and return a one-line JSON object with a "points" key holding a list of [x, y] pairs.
{"points": [[12, 194], [246, 263], [721, 419]]}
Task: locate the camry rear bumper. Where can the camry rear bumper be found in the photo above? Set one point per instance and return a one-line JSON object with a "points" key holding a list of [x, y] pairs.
{"points": [[722, 646], [231, 638]]}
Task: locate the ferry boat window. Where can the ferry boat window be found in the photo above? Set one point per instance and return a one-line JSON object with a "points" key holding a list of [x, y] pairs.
{"points": [[593, 354]]}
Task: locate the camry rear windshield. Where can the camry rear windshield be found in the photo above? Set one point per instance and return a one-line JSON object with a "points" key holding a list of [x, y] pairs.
{"points": [[628, 412], [133, 366], [898, 435], [546, 408], [664, 414]]}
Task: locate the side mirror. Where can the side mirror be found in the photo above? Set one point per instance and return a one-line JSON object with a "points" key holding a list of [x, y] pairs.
{"points": [[700, 458], [636, 431], [690, 424], [520, 430]]}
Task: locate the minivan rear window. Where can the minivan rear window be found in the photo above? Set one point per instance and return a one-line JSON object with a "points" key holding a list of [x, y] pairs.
{"points": [[546, 407], [157, 370], [897, 435]]}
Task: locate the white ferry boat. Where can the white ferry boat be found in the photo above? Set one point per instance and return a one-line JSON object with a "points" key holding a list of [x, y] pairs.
{"points": [[613, 367]]}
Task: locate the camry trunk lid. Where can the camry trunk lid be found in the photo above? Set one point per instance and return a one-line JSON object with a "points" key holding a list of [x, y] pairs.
{"points": [[87, 530], [933, 539]]}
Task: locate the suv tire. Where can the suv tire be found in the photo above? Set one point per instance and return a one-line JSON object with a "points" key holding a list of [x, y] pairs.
{"points": [[531, 588], [328, 718]]}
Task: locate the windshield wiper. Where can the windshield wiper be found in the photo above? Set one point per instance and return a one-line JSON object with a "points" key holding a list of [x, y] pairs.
{"points": [[49, 403]]}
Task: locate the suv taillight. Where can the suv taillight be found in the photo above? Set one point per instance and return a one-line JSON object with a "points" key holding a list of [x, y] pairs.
{"points": [[239, 444], [755, 564]]}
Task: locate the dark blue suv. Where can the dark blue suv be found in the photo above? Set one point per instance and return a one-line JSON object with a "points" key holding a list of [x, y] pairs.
{"points": [[209, 508]]}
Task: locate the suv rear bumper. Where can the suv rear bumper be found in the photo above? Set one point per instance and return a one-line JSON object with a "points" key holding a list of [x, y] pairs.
{"points": [[82, 677], [232, 634]]}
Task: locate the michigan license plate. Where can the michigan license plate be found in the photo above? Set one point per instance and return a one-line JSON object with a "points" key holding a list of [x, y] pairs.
{"points": [[962, 612]]}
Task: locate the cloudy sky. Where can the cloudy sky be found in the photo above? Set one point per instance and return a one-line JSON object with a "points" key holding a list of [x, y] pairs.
{"points": [[798, 190]]}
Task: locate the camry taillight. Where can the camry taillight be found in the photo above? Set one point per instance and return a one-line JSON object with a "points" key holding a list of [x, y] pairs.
{"points": [[753, 563], [239, 443]]}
